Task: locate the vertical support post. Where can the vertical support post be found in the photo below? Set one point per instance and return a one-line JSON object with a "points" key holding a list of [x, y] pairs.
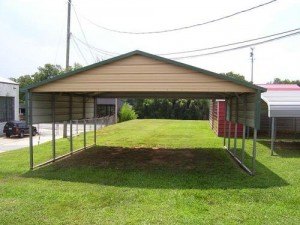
{"points": [[272, 135], [244, 127], [225, 116], [84, 121], [229, 126], [243, 143], [29, 120], [71, 136], [235, 137], [95, 121], [236, 123], [71, 122], [229, 135], [116, 110], [53, 127], [84, 132], [254, 152]]}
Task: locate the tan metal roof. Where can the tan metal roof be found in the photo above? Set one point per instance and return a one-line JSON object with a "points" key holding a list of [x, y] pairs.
{"points": [[140, 74]]}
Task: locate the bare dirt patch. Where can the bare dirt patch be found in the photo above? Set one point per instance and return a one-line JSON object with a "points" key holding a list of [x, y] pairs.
{"points": [[143, 158]]}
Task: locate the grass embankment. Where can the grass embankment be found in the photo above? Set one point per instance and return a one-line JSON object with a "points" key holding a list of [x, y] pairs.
{"points": [[151, 172]]}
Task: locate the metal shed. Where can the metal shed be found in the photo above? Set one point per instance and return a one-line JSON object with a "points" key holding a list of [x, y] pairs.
{"points": [[9, 101], [140, 74], [283, 101]]}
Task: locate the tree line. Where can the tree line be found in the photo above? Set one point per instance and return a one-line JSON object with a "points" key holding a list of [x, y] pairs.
{"points": [[45, 72]]}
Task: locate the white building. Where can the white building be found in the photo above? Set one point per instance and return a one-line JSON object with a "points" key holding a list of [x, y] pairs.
{"points": [[9, 101]]}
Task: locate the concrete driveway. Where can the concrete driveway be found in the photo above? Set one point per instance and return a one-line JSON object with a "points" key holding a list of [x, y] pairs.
{"points": [[44, 135], [14, 142]]}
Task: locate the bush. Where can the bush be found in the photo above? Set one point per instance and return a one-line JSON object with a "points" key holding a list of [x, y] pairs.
{"points": [[127, 113]]}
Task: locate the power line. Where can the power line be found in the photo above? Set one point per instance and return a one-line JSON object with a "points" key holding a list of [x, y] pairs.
{"points": [[240, 47], [82, 30], [74, 41], [226, 45], [95, 48], [180, 28]]}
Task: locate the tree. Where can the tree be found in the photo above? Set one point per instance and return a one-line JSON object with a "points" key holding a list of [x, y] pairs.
{"points": [[285, 81], [171, 108], [48, 71], [127, 113], [234, 75]]}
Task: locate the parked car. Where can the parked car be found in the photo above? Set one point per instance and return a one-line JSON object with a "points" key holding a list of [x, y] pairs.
{"points": [[19, 128]]}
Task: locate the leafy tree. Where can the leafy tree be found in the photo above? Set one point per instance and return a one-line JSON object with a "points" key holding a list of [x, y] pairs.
{"points": [[285, 81], [171, 108], [48, 71], [127, 113], [234, 75]]}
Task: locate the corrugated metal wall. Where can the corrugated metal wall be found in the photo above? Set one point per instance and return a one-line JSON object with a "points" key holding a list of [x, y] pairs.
{"points": [[66, 107], [244, 108]]}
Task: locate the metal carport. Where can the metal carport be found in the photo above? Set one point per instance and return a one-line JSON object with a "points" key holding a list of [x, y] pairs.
{"points": [[283, 101], [139, 74]]}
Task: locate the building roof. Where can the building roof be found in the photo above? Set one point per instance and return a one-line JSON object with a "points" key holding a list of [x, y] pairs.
{"points": [[7, 81], [281, 87], [283, 100]]}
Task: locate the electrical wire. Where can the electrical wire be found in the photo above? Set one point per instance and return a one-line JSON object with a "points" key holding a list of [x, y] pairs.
{"points": [[240, 47], [179, 28], [74, 41], [96, 49], [226, 45], [82, 30]]}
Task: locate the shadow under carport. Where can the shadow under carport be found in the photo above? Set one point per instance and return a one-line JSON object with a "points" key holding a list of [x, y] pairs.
{"points": [[157, 168]]}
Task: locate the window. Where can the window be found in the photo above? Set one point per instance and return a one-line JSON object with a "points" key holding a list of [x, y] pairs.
{"points": [[7, 109]]}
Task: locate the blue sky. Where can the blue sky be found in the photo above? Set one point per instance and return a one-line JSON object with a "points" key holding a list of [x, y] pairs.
{"points": [[33, 32]]}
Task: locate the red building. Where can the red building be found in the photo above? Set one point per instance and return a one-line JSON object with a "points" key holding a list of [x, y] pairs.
{"points": [[217, 118]]}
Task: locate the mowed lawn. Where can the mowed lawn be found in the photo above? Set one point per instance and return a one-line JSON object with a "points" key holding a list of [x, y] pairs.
{"points": [[152, 172]]}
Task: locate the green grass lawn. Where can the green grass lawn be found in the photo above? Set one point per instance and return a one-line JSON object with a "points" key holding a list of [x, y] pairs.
{"points": [[151, 172]]}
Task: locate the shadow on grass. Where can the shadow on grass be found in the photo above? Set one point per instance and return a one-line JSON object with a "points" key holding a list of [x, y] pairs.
{"points": [[157, 168], [284, 148]]}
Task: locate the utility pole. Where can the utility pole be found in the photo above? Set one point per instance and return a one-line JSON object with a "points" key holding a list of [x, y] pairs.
{"points": [[68, 34], [252, 60]]}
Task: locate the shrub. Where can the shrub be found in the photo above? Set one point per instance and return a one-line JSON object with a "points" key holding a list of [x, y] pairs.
{"points": [[127, 113]]}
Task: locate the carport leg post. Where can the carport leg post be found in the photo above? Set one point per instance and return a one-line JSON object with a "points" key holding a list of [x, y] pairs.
{"points": [[244, 128], [95, 133], [116, 110], [243, 143], [225, 116], [229, 126], [272, 135], [84, 122], [229, 135], [235, 137], [95, 121], [29, 105], [84, 132], [71, 122], [236, 122], [53, 127], [71, 136], [254, 151]]}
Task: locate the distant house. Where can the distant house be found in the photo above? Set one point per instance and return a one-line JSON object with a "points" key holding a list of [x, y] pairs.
{"points": [[9, 101]]}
